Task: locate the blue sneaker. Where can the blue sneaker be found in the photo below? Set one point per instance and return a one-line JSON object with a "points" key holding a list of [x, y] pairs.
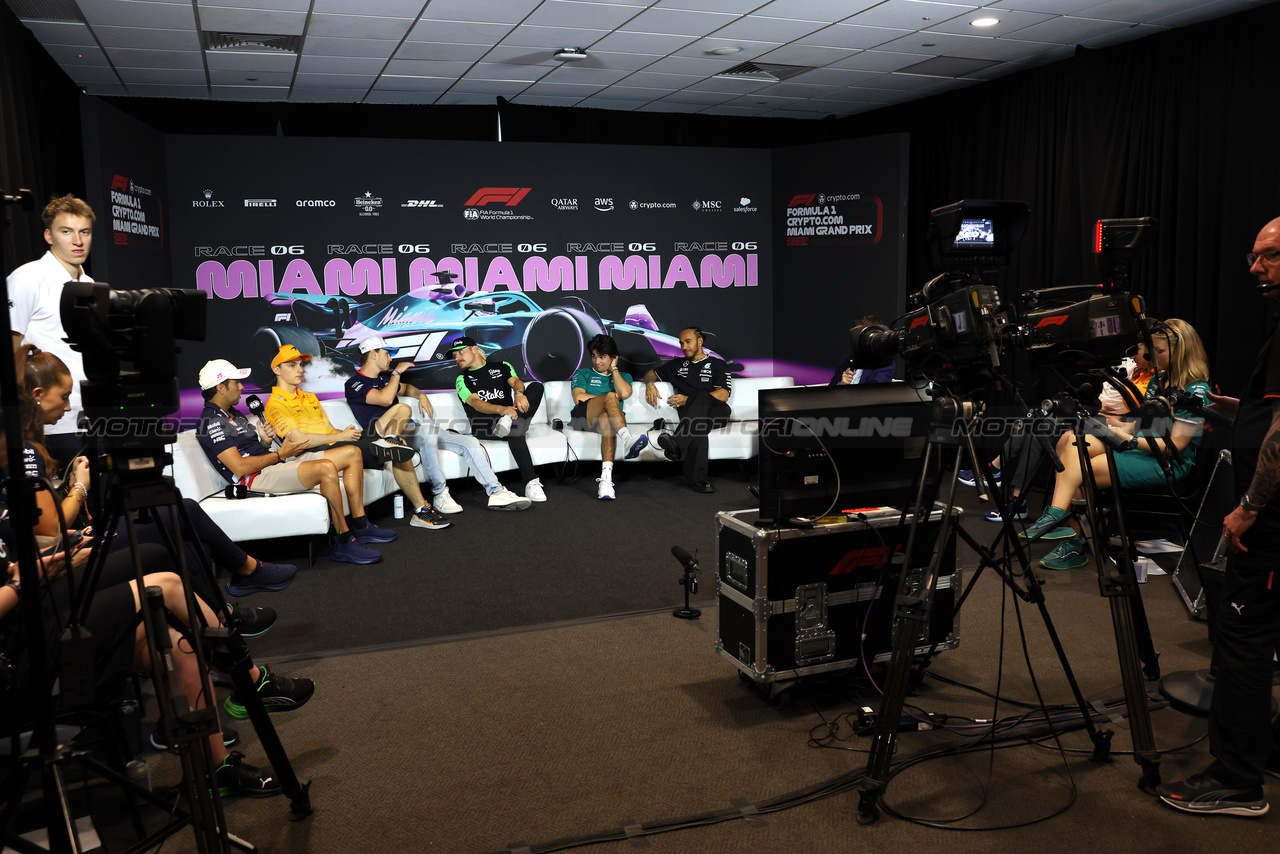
{"points": [[267, 578], [371, 533], [1068, 554], [1017, 510], [967, 477], [353, 551], [1047, 528], [641, 442]]}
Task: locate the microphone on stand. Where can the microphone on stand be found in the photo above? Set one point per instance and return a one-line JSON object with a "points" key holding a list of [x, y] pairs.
{"points": [[689, 582]]}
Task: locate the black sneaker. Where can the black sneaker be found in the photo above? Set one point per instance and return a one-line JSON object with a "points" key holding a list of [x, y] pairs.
{"points": [[234, 777], [230, 738], [1204, 795], [252, 622], [667, 443], [278, 694]]}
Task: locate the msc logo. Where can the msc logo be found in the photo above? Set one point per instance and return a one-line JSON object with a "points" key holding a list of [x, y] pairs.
{"points": [[511, 196], [871, 557], [1056, 320], [802, 200]]}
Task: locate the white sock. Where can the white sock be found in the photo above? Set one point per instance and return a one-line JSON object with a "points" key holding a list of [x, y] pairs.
{"points": [[624, 437], [606, 469]]}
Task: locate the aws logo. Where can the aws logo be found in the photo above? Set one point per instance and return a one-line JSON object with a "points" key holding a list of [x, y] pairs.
{"points": [[873, 557]]}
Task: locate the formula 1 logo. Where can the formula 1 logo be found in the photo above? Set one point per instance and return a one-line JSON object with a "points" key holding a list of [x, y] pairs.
{"points": [[800, 201], [119, 182], [1056, 320], [872, 557], [511, 196]]}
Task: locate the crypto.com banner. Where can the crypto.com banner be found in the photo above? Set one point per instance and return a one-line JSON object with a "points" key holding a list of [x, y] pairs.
{"points": [[528, 248]]}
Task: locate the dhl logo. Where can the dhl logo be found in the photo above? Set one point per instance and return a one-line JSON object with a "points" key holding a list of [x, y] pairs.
{"points": [[872, 557], [1056, 320]]}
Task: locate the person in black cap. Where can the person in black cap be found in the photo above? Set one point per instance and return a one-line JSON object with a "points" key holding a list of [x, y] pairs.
{"points": [[499, 405]]}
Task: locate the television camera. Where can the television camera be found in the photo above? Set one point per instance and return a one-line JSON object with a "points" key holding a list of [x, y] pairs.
{"points": [[960, 326]]}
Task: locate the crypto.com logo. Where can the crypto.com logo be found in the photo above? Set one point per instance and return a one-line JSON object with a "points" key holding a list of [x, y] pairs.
{"points": [[491, 195]]}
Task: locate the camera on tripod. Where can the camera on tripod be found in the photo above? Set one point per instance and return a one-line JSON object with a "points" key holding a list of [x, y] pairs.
{"points": [[961, 326]]}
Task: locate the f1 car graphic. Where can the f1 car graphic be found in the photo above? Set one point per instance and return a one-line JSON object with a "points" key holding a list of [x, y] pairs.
{"points": [[540, 343]]}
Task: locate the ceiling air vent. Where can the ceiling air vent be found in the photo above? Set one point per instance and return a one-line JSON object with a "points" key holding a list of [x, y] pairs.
{"points": [[256, 42], [45, 10], [766, 71]]}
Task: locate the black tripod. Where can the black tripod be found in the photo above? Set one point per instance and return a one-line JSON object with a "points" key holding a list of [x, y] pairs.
{"points": [[913, 609]]}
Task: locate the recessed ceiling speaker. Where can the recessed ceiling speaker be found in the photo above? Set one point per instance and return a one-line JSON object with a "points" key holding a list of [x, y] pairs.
{"points": [[570, 54]]}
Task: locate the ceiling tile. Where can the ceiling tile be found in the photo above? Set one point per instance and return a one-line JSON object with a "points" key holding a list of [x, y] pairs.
{"points": [[573, 13], [740, 7], [836, 77], [936, 44], [728, 85], [93, 74], [815, 10], [852, 36], [880, 60], [267, 22], [334, 81], [458, 31], [149, 90], [909, 14], [358, 27], [51, 32], [259, 5], [548, 38], [132, 58], [695, 66], [1052, 7], [642, 43], [678, 22], [442, 52], [400, 97], [246, 61], [1005, 50], [545, 100], [1065, 30], [577, 92], [1010, 21], [499, 71], [106, 90], [427, 68], [768, 29], [390, 8], [260, 78], [608, 104], [399, 83], [806, 55], [622, 61], [341, 64], [322, 96], [69, 56], [185, 76], [348, 47], [250, 93], [586, 76], [747, 49], [494, 11], [138, 37], [1129, 33], [139, 14]]}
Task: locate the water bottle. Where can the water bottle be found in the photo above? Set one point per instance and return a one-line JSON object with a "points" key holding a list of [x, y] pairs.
{"points": [[138, 774], [397, 505]]}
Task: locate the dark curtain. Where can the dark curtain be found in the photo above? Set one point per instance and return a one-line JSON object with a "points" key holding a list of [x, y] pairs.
{"points": [[40, 145], [1180, 126]]}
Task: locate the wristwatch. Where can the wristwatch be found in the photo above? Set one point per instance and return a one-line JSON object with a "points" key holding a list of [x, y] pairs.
{"points": [[1249, 505], [520, 391], [16, 584], [395, 373]]}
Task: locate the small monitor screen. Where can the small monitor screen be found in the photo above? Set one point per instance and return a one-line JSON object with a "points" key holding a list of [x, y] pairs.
{"points": [[975, 234]]}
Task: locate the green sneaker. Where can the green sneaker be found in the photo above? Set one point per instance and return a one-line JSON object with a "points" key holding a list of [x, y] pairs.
{"points": [[278, 694], [1047, 527], [1068, 554]]}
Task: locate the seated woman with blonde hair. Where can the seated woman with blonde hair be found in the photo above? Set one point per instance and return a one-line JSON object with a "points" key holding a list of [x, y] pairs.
{"points": [[1180, 362]]}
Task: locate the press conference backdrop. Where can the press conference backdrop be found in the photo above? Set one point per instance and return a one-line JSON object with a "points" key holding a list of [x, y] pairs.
{"points": [[321, 242]]}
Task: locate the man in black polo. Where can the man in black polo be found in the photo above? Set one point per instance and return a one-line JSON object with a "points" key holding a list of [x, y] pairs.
{"points": [[1243, 739], [702, 387], [499, 405]]}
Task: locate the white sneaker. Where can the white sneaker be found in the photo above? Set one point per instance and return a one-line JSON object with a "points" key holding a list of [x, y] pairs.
{"points": [[534, 492], [445, 504], [503, 427], [505, 499], [606, 487]]}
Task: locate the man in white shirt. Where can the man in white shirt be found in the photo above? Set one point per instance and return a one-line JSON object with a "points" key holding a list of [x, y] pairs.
{"points": [[35, 293]]}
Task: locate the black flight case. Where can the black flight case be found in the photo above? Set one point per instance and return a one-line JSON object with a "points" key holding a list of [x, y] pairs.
{"points": [[795, 603]]}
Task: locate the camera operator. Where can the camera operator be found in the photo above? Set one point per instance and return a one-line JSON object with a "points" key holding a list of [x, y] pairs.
{"points": [[1180, 362], [1243, 739], [847, 374]]}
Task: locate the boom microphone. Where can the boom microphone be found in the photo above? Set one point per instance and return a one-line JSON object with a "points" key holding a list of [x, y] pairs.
{"points": [[686, 559]]}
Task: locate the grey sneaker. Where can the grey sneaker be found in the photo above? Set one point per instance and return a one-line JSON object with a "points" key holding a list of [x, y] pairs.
{"points": [[445, 504], [1204, 795]]}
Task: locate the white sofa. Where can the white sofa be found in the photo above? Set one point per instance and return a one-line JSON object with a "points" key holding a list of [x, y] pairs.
{"points": [[261, 517]]}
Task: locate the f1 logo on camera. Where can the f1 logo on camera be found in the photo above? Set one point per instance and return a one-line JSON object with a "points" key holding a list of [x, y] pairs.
{"points": [[511, 196]]}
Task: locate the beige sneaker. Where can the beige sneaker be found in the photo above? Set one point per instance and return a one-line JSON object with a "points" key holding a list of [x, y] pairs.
{"points": [[445, 504], [505, 499]]}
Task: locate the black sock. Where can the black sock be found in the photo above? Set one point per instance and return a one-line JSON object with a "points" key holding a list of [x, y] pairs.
{"points": [[359, 522]]}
